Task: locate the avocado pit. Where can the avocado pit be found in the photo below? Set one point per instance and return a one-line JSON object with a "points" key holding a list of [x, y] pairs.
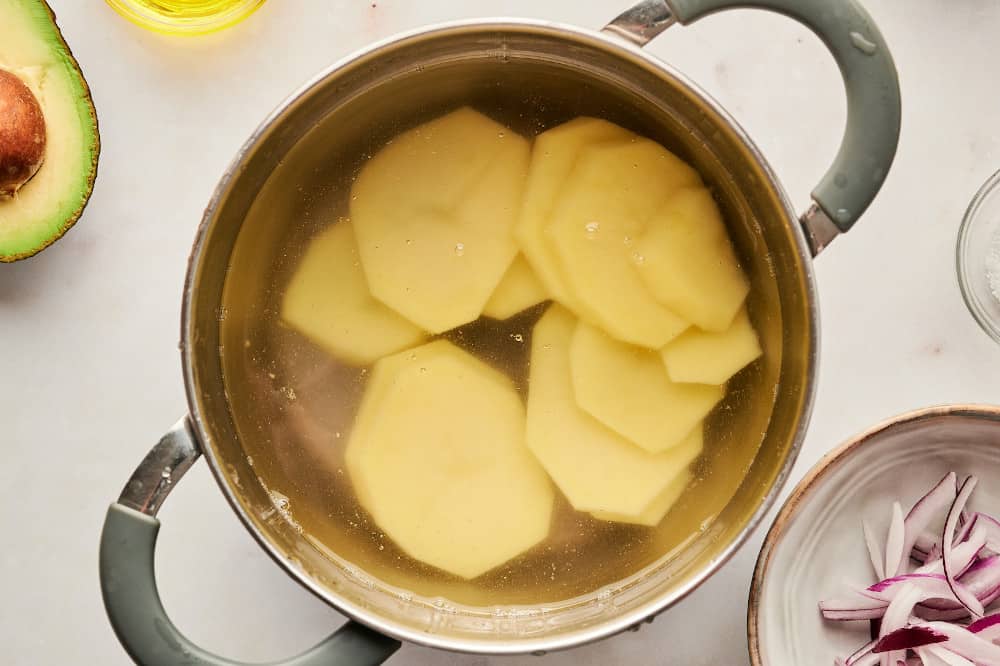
{"points": [[22, 134]]}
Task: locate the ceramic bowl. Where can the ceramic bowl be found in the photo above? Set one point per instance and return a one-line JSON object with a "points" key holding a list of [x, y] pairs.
{"points": [[815, 546], [978, 257]]}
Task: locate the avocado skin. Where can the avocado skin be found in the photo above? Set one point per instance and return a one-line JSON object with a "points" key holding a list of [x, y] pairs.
{"points": [[89, 100]]}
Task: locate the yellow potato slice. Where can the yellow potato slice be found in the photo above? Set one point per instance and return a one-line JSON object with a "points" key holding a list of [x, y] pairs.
{"points": [[383, 377], [688, 261], [552, 158], [438, 458], [433, 212], [518, 290], [603, 210], [627, 389], [657, 509], [712, 358], [596, 468], [328, 301], [380, 380]]}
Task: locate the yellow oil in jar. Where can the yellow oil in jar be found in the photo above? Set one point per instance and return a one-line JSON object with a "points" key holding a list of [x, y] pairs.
{"points": [[185, 17]]}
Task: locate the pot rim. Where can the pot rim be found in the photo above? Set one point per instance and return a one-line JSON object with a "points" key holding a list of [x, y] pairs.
{"points": [[616, 47]]}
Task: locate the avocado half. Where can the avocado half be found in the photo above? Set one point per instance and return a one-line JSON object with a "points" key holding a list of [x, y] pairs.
{"points": [[41, 210]]}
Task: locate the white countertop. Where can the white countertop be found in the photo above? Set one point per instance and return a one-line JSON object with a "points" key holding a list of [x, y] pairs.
{"points": [[89, 371]]}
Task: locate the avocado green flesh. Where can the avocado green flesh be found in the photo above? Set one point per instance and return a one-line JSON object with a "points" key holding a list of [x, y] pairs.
{"points": [[47, 205]]}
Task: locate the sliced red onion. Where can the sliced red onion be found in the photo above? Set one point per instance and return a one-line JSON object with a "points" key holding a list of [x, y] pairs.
{"points": [[982, 579], [909, 637], [889, 584], [992, 527], [966, 528], [963, 555], [848, 614], [922, 546], [862, 657], [874, 553], [964, 597], [897, 614], [919, 517], [964, 516], [935, 655], [858, 608], [987, 627], [981, 567], [982, 576], [914, 615], [943, 609], [894, 541], [963, 642], [869, 659], [932, 586]]}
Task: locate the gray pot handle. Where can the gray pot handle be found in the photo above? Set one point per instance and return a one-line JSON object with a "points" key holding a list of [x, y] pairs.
{"points": [[128, 581], [872, 86]]}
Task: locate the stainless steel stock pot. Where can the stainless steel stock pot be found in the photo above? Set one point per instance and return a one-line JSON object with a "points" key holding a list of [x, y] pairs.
{"points": [[603, 73]]}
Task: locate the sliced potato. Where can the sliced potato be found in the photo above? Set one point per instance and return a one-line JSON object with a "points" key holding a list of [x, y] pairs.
{"points": [[712, 358], [436, 162], [518, 290], [433, 212], [688, 261], [610, 195], [552, 158], [381, 379], [596, 468], [627, 389], [438, 458], [328, 301], [657, 509]]}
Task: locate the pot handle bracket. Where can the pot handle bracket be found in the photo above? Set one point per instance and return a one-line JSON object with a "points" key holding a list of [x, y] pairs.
{"points": [[870, 80], [128, 582]]}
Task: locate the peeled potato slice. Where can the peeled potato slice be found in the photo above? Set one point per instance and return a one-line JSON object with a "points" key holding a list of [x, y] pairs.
{"points": [[609, 197], [712, 358], [688, 261], [552, 158], [627, 389], [434, 211], [657, 509], [595, 468], [328, 301], [518, 290], [439, 459]]}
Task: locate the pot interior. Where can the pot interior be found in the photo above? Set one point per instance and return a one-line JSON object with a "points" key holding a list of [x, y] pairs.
{"points": [[275, 412]]}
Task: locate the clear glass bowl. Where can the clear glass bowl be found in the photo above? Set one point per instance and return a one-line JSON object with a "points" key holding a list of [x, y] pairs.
{"points": [[185, 17], [979, 257]]}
